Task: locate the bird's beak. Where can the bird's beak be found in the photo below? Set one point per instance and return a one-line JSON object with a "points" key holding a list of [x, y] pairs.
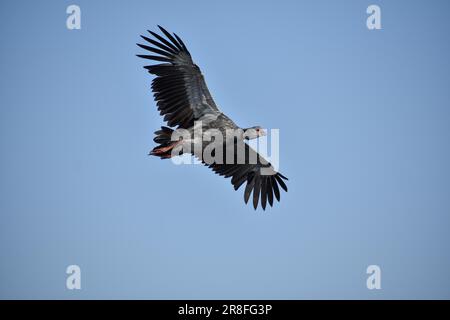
{"points": [[262, 133]]}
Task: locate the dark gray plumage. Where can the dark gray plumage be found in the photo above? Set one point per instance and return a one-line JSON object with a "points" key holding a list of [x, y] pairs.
{"points": [[183, 99]]}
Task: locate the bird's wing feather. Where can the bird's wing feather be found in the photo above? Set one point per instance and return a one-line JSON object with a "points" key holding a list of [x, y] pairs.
{"points": [[179, 87], [261, 177]]}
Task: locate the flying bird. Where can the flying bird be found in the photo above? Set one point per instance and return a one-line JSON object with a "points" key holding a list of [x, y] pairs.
{"points": [[184, 100]]}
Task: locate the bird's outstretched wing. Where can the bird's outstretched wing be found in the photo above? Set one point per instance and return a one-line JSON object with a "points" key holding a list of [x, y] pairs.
{"points": [[179, 87], [261, 177]]}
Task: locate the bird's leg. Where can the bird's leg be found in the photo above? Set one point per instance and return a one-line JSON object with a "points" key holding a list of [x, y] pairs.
{"points": [[163, 151], [160, 150]]}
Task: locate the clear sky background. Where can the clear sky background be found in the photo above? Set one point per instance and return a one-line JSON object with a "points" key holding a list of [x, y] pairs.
{"points": [[365, 140]]}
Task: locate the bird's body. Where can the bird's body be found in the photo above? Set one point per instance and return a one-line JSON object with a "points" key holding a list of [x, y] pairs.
{"points": [[184, 100]]}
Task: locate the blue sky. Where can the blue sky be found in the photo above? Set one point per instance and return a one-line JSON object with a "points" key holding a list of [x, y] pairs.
{"points": [[364, 129]]}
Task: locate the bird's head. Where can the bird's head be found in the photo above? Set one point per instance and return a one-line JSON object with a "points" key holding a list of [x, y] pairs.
{"points": [[254, 132]]}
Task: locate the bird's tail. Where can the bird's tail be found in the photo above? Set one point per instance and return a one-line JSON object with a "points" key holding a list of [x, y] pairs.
{"points": [[164, 138]]}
